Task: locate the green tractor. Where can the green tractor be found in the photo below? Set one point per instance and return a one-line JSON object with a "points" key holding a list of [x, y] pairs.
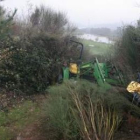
{"points": [[104, 74]]}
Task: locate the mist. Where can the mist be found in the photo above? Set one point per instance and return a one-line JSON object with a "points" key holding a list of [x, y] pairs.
{"points": [[86, 13]]}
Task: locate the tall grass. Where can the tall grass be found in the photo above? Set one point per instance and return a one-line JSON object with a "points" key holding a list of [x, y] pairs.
{"points": [[97, 121], [82, 110]]}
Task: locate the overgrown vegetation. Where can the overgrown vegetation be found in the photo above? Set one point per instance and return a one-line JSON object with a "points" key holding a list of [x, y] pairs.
{"points": [[81, 110], [32, 58], [34, 63], [5, 23], [127, 50], [32, 54]]}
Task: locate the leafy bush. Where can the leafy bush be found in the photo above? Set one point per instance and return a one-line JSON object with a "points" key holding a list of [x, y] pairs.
{"points": [[127, 51], [81, 110], [61, 119], [32, 56], [32, 63]]}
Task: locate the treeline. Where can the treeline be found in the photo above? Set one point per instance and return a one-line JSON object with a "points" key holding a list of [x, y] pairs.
{"points": [[107, 32], [97, 31]]}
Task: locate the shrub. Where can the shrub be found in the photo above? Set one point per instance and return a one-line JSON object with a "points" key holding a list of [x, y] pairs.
{"points": [[30, 64], [127, 51], [33, 55], [81, 110]]}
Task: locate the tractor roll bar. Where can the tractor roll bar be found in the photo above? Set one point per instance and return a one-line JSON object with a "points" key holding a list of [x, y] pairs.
{"points": [[82, 47]]}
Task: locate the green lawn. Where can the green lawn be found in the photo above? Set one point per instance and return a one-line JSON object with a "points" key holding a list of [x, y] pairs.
{"points": [[98, 48]]}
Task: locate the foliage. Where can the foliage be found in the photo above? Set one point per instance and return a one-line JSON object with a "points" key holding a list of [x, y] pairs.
{"points": [[33, 55], [5, 23], [58, 110], [34, 62], [48, 20], [127, 51], [43, 20], [81, 110]]}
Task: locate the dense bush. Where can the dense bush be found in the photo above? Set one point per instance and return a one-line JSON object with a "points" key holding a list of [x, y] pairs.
{"points": [[127, 51], [32, 55], [81, 110], [30, 64]]}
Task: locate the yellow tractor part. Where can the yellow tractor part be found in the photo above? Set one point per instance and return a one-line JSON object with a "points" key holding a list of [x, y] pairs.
{"points": [[73, 68], [134, 87]]}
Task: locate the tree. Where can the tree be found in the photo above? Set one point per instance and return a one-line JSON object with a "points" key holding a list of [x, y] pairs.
{"points": [[47, 20], [5, 23], [128, 50]]}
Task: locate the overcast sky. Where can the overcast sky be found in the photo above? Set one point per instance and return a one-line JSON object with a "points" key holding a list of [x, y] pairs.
{"points": [[87, 13]]}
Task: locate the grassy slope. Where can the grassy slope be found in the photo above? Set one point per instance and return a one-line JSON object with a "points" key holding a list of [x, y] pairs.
{"points": [[98, 48]]}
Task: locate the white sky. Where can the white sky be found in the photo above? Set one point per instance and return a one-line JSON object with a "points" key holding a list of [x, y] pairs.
{"points": [[87, 13]]}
